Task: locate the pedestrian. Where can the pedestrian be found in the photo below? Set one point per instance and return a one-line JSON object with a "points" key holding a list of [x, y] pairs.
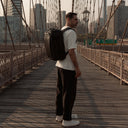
{"points": [[68, 72]]}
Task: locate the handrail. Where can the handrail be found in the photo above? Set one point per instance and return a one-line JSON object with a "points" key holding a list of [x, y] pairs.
{"points": [[113, 62], [14, 64]]}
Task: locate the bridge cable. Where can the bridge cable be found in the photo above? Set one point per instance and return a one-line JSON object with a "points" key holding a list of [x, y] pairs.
{"points": [[73, 5], [26, 27], [30, 18], [35, 23], [41, 18], [20, 33], [60, 14], [21, 17], [107, 21], [93, 16], [100, 10], [6, 27]]}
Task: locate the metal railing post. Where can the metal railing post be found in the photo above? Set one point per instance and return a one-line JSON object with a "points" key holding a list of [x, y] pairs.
{"points": [[108, 63], [121, 70], [31, 58], [24, 62], [37, 57], [11, 65]]}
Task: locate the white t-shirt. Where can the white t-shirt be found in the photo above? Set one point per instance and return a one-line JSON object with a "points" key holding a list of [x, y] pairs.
{"points": [[70, 43]]}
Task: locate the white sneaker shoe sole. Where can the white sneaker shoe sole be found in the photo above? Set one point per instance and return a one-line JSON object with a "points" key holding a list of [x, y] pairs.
{"points": [[60, 118], [70, 123]]}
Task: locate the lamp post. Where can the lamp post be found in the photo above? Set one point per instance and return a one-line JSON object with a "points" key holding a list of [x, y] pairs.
{"points": [[86, 20], [86, 17]]}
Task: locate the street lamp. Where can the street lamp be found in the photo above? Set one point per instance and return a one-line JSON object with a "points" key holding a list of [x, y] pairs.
{"points": [[86, 17]]}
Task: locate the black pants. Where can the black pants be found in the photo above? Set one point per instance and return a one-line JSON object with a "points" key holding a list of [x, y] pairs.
{"points": [[66, 93]]}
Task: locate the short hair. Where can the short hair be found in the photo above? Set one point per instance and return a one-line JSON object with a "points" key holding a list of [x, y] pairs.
{"points": [[70, 15]]}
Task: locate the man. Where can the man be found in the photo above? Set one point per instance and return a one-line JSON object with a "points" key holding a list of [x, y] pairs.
{"points": [[68, 72]]}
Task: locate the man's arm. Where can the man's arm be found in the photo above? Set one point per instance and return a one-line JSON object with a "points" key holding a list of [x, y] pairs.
{"points": [[72, 55]]}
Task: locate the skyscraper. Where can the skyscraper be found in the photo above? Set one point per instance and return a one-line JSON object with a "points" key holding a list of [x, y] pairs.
{"points": [[63, 20], [38, 20], [105, 10], [11, 10], [14, 19], [118, 21]]}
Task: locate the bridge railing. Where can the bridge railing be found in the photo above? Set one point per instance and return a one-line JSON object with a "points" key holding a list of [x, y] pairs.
{"points": [[113, 62], [14, 64]]}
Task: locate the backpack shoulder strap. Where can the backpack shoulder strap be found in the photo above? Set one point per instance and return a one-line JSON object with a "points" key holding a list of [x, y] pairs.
{"points": [[67, 29]]}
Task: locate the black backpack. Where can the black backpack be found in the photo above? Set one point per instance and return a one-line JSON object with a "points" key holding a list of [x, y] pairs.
{"points": [[54, 44]]}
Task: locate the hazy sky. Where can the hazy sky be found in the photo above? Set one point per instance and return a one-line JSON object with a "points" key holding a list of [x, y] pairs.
{"points": [[65, 5]]}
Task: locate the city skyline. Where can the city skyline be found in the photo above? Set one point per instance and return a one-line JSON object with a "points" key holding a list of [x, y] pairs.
{"points": [[65, 5]]}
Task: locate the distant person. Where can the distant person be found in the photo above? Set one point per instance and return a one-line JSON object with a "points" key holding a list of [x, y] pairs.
{"points": [[68, 72]]}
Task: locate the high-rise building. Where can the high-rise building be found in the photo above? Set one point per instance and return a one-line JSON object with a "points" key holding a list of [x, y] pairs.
{"points": [[118, 21], [63, 14], [15, 27], [11, 10], [63, 20], [38, 20], [105, 10]]}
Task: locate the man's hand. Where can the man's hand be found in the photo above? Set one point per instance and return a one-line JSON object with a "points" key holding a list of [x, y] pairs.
{"points": [[78, 72], [74, 61]]}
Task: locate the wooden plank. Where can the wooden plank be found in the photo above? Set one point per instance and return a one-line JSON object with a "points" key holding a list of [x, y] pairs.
{"points": [[30, 102]]}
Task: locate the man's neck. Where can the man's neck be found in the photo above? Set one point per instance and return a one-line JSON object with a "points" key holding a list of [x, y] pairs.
{"points": [[68, 25]]}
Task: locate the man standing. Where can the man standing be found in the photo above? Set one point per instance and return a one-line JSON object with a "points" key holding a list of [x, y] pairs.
{"points": [[68, 72]]}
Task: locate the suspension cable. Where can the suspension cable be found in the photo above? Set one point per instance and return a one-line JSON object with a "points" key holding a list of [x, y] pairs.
{"points": [[87, 4], [107, 21], [26, 27], [6, 11], [21, 16], [41, 18], [35, 23], [60, 14], [98, 26], [112, 7], [72, 5]]}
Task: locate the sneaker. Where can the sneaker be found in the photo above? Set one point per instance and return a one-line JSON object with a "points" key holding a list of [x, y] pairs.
{"points": [[70, 123], [59, 118], [74, 116]]}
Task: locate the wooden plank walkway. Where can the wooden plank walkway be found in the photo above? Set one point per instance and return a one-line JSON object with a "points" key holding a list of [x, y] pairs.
{"points": [[30, 102]]}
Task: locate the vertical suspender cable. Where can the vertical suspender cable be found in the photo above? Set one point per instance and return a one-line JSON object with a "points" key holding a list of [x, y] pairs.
{"points": [[60, 14], [28, 35], [72, 5], [30, 13], [41, 18], [100, 16], [5, 40], [87, 4], [34, 12], [20, 24], [47, 26], [30, 19], [90, 15]]}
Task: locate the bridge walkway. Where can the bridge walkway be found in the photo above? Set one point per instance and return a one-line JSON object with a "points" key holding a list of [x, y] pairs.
{"points": [[101, 101]]}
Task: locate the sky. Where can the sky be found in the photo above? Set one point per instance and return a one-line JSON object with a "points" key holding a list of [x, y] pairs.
{"points": [[65, 5]]}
